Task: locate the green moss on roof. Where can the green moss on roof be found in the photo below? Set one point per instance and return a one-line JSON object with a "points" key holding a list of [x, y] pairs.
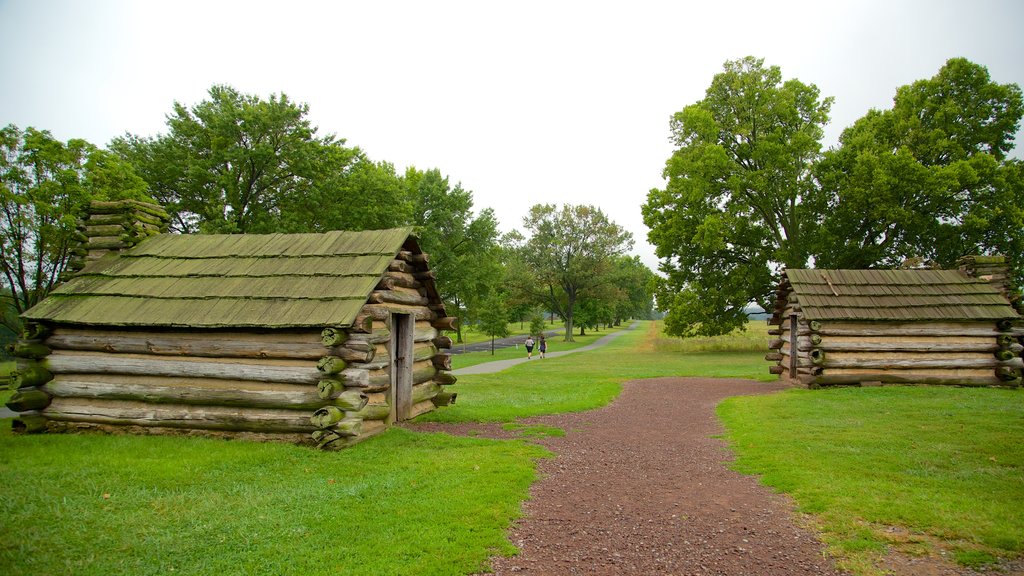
{"points": [[241, 280], [904, 295]]}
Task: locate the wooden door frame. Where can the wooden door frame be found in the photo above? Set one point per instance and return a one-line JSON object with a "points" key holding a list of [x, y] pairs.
{"points": [[401, 361]]}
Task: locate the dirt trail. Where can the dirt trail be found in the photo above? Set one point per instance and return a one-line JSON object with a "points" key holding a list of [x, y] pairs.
{"points": [[642, 487]]}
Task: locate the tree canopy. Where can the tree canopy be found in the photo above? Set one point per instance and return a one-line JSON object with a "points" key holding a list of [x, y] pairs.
{"points": [[45, 186], [734, 207], [749, 192], [928, 178], [570, 254], [237, 163]]}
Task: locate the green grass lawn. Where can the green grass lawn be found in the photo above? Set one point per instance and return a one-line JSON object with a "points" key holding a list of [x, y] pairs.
{"points": [[946, 465], [401, 503]]}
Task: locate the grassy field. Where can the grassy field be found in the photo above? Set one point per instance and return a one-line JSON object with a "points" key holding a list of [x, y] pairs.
{"points": [[945, 466], [471, 336], [910, 468], [401, 503]]}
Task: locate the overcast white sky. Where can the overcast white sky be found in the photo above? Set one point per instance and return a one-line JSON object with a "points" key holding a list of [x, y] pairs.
{"points": [[522, 102]]}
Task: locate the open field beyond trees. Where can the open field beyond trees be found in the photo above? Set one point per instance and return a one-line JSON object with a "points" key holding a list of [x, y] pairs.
{"points": [[912, 468]]}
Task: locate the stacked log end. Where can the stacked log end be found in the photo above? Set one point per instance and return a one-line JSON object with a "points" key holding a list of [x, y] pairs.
{"points": [[29, 379], [116, 226]]}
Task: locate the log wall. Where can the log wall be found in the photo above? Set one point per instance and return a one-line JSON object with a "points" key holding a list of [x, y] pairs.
{"points": [[824, 353], [326, 387]]}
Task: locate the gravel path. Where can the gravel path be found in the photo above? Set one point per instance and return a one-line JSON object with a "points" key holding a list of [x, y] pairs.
{"points": [[642, 487]]}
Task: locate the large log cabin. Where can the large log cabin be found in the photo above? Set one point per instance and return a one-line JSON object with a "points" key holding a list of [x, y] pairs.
{"points": [[321, 339], [864, 327]]}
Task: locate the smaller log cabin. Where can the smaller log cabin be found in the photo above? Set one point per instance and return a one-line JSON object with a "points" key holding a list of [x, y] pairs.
{"points": [[866, 327], [321, 339]]}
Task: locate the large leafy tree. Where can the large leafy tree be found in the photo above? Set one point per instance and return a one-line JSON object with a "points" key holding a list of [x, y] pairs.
{"points": [[45, 186], [569, 255], [463, 246], [928, 178], [234, 162], [736, 205]]}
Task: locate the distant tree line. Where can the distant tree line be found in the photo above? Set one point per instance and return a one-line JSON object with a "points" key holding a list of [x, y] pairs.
{"points": [[239, 163], [749, 190]]}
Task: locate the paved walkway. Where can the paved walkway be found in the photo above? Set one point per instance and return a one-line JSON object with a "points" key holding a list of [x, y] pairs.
{"points": [[499, 365]]}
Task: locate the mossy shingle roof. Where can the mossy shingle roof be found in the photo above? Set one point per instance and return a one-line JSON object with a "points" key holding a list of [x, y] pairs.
{"points": [[224, 281], [896, 295]]}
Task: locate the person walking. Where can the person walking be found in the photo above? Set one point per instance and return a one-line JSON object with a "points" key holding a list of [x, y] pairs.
{"points": [[529, 347], [542, 346]]}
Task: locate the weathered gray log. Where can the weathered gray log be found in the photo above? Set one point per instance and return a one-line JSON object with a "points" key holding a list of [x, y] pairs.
{"points": [[400, 279], [776, 344], [378, 336], [443, 342], [1005, 324], [817, 357], [450, 323], [104, 230], [424, 352], [397, 297], [331, 365], [445, 377], [229, 418], [883, 331], [1005, 340], [194, 391], [30, 374], [28, 399], [72, 363], [775, 332], [915, 363], [898, 378], [773, 356], [375, 411], [444, 398], [215, 345], [424, 333], [382, 312], [419, 259], [944, 346], [442, 361], [353, 355], [776, 369], [814, 325], [425, 391], [422, 371], [400, 266]]}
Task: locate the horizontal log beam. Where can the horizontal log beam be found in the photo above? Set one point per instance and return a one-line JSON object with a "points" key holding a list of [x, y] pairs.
{"points": [[897, 378], [450, 323], [828, 346], [214, 345], [911, 364], [110, 364], [396, 297], [192, 391], [126, 413], [28, 399]]}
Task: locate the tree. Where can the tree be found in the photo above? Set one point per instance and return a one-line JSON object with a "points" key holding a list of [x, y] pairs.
{"points": [[635, 283], [928, 178], [462, 246], [494, 317], [734, 207], [234, 162], [569, 255], [45, 186]]}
